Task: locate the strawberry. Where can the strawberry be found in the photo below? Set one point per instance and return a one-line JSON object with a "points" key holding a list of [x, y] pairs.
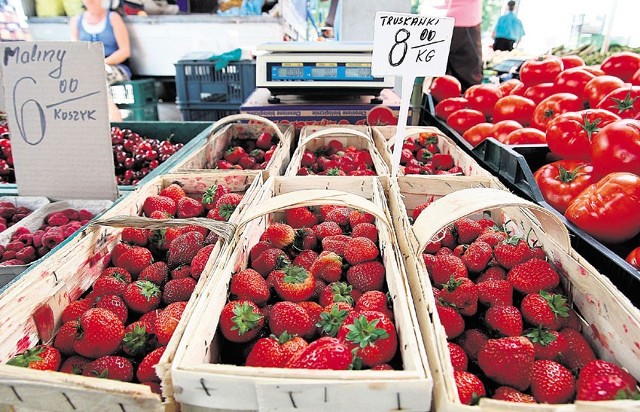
{"points": [[116, 305], [280, 235], [167, 321], [551, 382], [545, 309], [445, 266], [225, 207], [188, 207], [293, 283], [135, 260], [358, 216], [466, 230], [146, 371], [371, 335], [75, 309], [442, 161], [41, 357], [178, 290], [211, 196], [360, 249], [250, 285], [599, 367], [492, 273], [305, 259], [579, 352], [367, 276], [258, 154], [462, 293], [66, 336], [469, 387], [234, 154], [162, 203], [269, 260], [472, 341], [600, 380], [486, 223], [477, 256], [74, 365], [339, 215], [336, 244], [492, 237], [247, 162], [447, 239], [110, 367], [507, 393], [109, 285], [337, 292], [117, 272], [267, 353], [138, 237], [138, 338], [328, 267], [367, 230], [241, 321], [158, 214], [375, 300], [308, 159], [142, 296], [504, 320], [511, 252], [459, 359], [533, 276], [326, 229], [300, 217], [313, 309], [508, 361], [258, 248], [117, 252], [99, 334], [495, 292], [157, 273], [184, 248], [305, 239], [547, 344], [292, 345], [150, 318], [173, 191], [292, 318], [422, 206], [332, 317], [324, 353], [451, 320], [181, 272], [264, 141]]}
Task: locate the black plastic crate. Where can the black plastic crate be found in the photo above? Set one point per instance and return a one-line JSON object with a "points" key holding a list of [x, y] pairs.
{"points": [[207, 112]]}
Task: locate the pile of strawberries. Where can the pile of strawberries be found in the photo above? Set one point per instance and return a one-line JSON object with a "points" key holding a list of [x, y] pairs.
{"points": [[512, 332], [10, 214], [313, 296], [334, 159], [421, 156], [249, 154], [26, 247], [7, 174]]}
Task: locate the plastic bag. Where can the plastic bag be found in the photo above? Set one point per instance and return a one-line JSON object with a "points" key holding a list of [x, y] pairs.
{"points": [[240, 7]]}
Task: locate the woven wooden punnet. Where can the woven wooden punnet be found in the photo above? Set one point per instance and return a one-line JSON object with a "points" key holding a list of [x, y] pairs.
{"points": [[202, 383], [30, 309], [228, 128], [610, 322], [315, 137]]}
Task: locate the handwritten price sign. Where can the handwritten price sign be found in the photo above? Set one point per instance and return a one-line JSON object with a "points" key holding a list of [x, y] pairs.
{"points": [[55, 97], [409, 46]]}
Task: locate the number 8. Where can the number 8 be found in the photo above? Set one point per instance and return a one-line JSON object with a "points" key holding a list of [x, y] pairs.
{"points": [[404, 43]]}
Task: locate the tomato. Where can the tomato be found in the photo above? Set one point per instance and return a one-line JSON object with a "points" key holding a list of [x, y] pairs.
{"points": [[622, 65], [553, 106], [539, 92], [573, 81], [516, 108], [634, 258], [616, 148], [598, 87], [570, 134], [635, 80], [444, 87], [450, 105], [464, 119], [482, 97], [608, 210], [623, 101], [560, 182], [476, 134], [502, 129], [534, 72], [526, 135], [512, 86], [572, 61], [593, 70]]}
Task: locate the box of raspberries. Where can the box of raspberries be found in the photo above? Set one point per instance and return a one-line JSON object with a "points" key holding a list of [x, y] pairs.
{"points": [[336, 151], [259, 145], [311, 309], [516, 314]]}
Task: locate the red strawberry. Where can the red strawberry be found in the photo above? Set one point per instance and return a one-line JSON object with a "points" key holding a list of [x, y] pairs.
{"points": [[305, 239], [374, 300], [100, 333], [326, 229], [161, 203], [332, 317], [258, 154], [157, 273], [241, 321], [110, 367], [167, 321], [317, 289], [336, 244], [280, 235], [41, 357], [451, 320], [142, 296], [368, 230], [459, 359], [507, 393], [492, 273], [600, 380], [225, 207], [292, 318], [184, 248], [150, 318], [178, 290], [188, 207], [469, 386], [495, 292], [492, 237], [467, 230], [305, 259], [477, 256], [234, 154], [292, 345], [258, 248], [367, 276], [146, 371], [270, 260], [548, 344], [533, 276], [358, 216], [508, 361], [250, 285], [511, 252], [325, 209], [462, 293], [66, 336], [328, 267], [109, 285], [445, 266], [472, 341], [372, 335], [117, 272], [300, 217], [138, 237], [313, 310], [75, 365], [135, 260], [551, 382], [181, 272], [339, 215], [117, 253], [247, 162], [173, 191], [293, 283], [138, 338], [324, 353], [211, 196], [422, 206], [116, 305], [264, 141], [579, 352], [158, 214], [360, 249], [442, 161], [267, 353], [601, 367], [337, 292], [75, 309], [545, 309], [505, 320]]}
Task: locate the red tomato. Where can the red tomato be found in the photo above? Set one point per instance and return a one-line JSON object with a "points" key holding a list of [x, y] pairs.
{"points": [[539, 92], [623, 101], [635, 80], [516, 108], [572, 61], [598, 87], [502, 129], [482, 97], [608, 210], [570, 134], [478, 133], [634, 258], [450, 105], [593, 70], [534, 72], [573, 81], [616, 148], [553, 106], [512, 86], [622, 65], [560, 182], [464, 119], [526, 135], [444, 87]]}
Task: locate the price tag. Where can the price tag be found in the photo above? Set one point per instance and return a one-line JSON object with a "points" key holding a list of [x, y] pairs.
{"points": [[56, 102], [409, 45]]}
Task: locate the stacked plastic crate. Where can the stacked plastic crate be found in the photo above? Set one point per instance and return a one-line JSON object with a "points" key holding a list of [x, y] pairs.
{"points": [[136, 99]]}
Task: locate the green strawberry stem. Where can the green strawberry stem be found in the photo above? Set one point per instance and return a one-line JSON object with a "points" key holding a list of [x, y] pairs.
{"points": [[541, 335], [245, 318], [26, 357], [342, 292], [148, 289], [209, 195], [295, 274], [332, 321], [557, 303], [136, 340], [365, 333]]}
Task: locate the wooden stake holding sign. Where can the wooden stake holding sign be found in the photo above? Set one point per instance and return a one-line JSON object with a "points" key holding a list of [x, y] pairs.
{"points": [[410, 46], [56, 102]]}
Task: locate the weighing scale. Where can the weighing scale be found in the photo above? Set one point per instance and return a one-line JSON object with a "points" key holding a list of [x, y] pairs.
{"points": [[319, 68]]}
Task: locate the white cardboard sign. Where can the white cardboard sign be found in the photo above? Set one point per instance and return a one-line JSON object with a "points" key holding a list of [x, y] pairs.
{"points": [[56, 102], [410, 46]]}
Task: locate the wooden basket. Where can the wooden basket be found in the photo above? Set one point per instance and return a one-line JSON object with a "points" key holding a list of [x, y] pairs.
{"points": [[612, 324], [223, 131], [199, 382], [384, 137], [314, 137]]}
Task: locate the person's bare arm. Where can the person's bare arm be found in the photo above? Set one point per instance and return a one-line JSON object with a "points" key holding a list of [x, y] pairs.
{"points": [[73, 23], [122, 39]]}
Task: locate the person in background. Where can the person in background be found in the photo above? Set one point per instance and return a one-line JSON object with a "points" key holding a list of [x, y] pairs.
{"points": [[508, 31]]}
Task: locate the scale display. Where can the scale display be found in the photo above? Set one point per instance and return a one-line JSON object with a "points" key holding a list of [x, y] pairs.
{"points": [[313, 72]]}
